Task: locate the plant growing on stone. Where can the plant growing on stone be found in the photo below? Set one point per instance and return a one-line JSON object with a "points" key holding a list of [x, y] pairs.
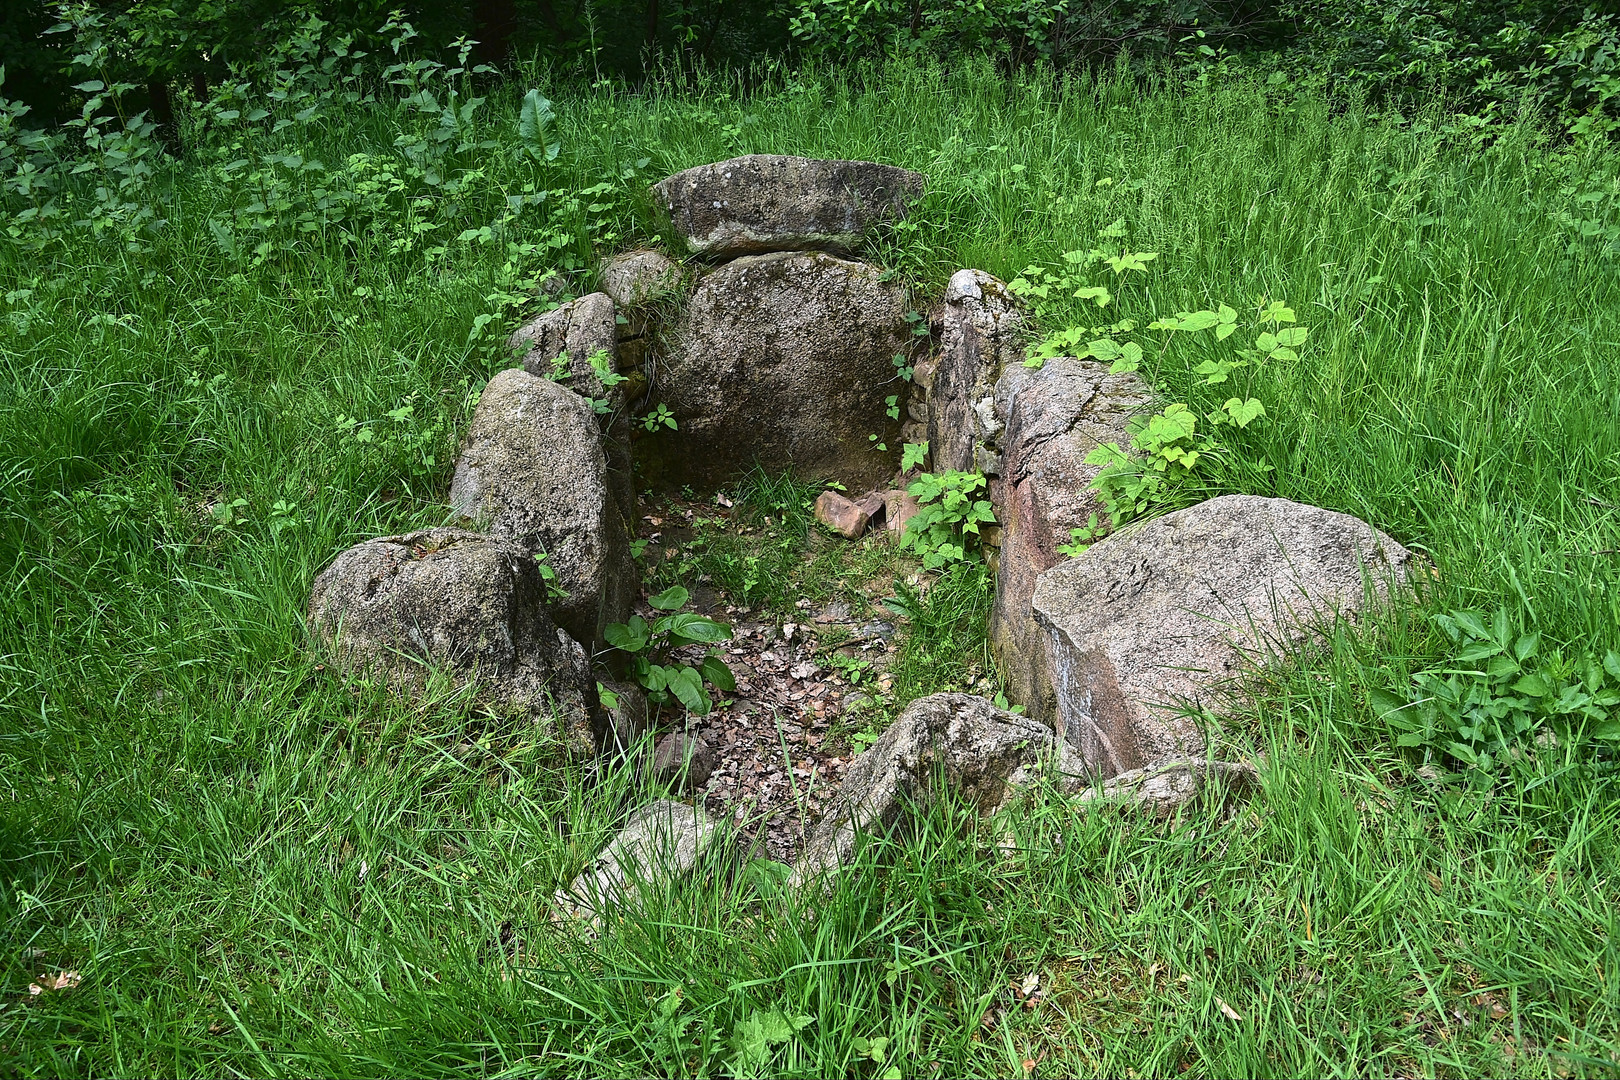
{"points": [[659, 416], [650, 645], [1500, 694], [951, 511]]}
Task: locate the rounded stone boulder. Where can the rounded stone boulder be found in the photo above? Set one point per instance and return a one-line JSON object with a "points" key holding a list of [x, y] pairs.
{"points": [[534, 471], [464, 603], [774, 202], [1156, 621], [786, 359]]}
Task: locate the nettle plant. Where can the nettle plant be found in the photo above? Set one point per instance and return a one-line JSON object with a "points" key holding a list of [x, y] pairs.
{"points": [[1500, 694], [952, 509], [650, 646], [1171, 446]]}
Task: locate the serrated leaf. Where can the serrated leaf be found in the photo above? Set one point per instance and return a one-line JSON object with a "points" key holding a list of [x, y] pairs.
{"points": [[1385, 703], [535, 120], [1266, 342], [1533, 685], [1225, 330]]}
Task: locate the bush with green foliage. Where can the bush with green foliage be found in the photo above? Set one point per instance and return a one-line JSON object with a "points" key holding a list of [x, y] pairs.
{"points": [[944, 529], [1501, 694]]}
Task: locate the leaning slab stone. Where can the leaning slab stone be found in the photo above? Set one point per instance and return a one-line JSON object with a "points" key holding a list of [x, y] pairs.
{"points": [[1163, 615], [1054, 417], [785, 359], [663, 841], [981, 751], [771, 202], [467, 603], [534, 470], [981, 335], [579, 330]]}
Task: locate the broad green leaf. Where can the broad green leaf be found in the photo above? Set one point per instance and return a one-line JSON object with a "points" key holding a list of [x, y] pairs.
{"points": [[1225, 330], [1244, 413], [1526, 646], [1384, 703], [1533, 685], [1501, 632], [1293, 337], [1097, 293], [687, 686], [656, 677], [1197, 320], [1266, 342], [690, 629], [718, 672], [671, 599], [1471, 623], [1611, 663], [1130, 358], [913, 455], [1477, 650], [534, 127]]}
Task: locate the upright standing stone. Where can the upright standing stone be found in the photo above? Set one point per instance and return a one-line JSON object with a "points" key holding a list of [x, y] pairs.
{"points": [[981, 335], [533, 469], [1055, 416], [786, 360], [466, 603]]}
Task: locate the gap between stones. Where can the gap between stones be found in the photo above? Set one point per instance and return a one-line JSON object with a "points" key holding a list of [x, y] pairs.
{"points": [[774, 346]]}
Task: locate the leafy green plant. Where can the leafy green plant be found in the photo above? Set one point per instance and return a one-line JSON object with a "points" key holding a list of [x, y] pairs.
{"points": [[913, 455], [536, 128], [659, 417], [950, 512], [757, 1035], [650, 645], [1081, 539], [1500, 693], [1167, 448]]}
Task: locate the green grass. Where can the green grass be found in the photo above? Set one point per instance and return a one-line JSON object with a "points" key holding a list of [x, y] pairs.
{"points": [[191, 797]]}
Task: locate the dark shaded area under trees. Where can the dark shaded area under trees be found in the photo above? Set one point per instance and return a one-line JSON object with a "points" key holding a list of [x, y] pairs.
{"points": [[1488, 53]]}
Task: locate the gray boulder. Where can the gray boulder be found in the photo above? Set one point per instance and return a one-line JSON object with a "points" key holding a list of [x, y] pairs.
{"points": [[980, 751], [465, 603], [683, 759], [581, 329], [1160, 617], [661, 843], [786, 359], [1054, 417], [981, 335], [771, 202], [634, 279], [533, 471]]}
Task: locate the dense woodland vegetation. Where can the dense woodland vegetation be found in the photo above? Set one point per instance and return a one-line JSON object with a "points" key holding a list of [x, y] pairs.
{"points": [[256, 262]]}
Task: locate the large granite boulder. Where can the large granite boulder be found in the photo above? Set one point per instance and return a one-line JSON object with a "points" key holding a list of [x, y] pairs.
{"points": [[579, 330], [981, 335], [980, 751], [1161, 616], [771, 202], [785, 359], [1054, 417], [533, 471], [466, 603]]}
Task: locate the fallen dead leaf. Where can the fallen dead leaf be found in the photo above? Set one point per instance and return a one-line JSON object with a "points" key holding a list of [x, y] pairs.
{"points": [[1434, 881], [1227, 1010], [65, 980]]}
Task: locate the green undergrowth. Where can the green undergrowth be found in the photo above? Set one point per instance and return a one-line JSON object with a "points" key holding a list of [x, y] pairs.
{"points": [[259, 868]]}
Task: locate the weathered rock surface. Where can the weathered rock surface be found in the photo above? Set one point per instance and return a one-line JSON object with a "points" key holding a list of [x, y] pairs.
{"points": [[786, 359], [981, 751], [464, 602], [578, 328], [1167, 612], [634, 278], [683, 758], [663, 841], [1163, 789], [981, 335], [772, 202], [1054, 417], [533, 469], [626, 709], [581, 329], [899, 507]]}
